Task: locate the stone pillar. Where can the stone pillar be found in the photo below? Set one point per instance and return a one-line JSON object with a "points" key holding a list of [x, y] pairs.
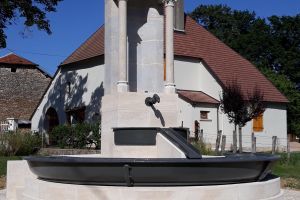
{"points": [[122, 84], [169, 10]]}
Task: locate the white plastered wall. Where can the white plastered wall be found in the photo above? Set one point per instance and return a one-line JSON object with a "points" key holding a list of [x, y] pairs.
{"points": [[192, 74], [86, 89]]}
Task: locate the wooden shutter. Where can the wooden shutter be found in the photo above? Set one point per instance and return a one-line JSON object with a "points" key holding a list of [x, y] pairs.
{"points": [[258, 124]]}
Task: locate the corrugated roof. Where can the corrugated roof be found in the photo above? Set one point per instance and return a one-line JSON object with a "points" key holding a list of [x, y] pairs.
{"points": [[14, 59], [223, 62], [196, 97]]}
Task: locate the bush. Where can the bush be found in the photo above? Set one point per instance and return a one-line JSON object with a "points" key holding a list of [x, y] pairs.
{"points": [[79, 136], [203, 148], [19, 144], [60, 136]]}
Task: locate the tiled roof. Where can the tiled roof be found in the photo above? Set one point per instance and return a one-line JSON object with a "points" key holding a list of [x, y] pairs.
{"points": [[14, 59], [92, 47], [196, 97], [223, 62]]}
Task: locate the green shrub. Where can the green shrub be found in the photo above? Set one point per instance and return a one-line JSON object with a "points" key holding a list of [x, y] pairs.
{"points": [[78, 136], [19, 144], [61, 135], [30, 144], [205, 149], [294, 159]]}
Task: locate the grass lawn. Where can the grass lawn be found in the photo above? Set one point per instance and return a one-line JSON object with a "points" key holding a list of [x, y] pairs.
{"points": [[289, 171], [3, 164]]}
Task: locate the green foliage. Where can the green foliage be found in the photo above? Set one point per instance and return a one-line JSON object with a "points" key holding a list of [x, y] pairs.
{"points": [[33, 11], [3, 163], [19, 144], [273, 45], [285, 49], [288, 88], [204, 148], [60, 135], [79, 136], [288, 170]]}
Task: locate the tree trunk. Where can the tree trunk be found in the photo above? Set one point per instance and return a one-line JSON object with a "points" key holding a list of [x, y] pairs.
{"points": [[240, 140], [234, 140]]}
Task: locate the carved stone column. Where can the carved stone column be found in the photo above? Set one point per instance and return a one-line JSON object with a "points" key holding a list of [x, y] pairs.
{"points": [[122, 84], [169, 13]]}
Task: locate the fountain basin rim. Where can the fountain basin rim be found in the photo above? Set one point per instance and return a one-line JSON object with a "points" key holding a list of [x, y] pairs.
{"points": [[227, 159]]}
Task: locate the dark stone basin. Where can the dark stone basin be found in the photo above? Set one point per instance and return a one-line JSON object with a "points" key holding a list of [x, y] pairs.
{"points": [[191, 171]]}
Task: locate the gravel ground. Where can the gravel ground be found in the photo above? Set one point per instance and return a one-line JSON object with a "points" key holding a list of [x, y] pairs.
{"points": [[291, 195], [288, 195], [2, 194]]}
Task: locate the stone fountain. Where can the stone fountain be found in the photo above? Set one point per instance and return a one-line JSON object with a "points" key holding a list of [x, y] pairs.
{"points": [[141, 156]]}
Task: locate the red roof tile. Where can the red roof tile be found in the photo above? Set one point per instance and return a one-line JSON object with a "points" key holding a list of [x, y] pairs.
{"points": [[14, 59], [196, 97], [223, 62], [92, 47]]}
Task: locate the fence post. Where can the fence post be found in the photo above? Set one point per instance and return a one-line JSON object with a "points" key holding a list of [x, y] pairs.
{"points": [[234, 142], [288, 151], [240, 141], [201, 135], [253, 142], [42, 139], [223, 144], [274, 142], [218, 140]]}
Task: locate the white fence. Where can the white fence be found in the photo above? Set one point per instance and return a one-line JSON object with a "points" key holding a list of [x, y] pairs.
{"points": [[4, 126], [263, 142]]}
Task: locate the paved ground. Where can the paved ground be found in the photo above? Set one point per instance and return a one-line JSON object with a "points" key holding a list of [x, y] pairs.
{"points": [[291, 195], [288, 195], [2, 194]]}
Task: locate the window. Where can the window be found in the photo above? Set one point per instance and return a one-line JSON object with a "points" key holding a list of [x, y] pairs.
{"points": [[68, 88], [13, 69], [76, 116], [204, 114], [258, 123]]}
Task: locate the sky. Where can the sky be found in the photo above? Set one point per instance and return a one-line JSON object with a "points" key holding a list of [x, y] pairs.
{"points": [[76, 20]]}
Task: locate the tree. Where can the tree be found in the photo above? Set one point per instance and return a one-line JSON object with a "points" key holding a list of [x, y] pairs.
{"points": [[285, 49], [273, 45], [34, 12], [290, 90], [239, 108], [241, 30]]}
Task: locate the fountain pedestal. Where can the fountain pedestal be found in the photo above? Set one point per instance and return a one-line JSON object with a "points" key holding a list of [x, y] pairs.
{"points": [[130, 110]]}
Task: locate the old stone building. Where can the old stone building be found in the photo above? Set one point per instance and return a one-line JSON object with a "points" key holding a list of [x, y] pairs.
{"points": [[22, 85]]}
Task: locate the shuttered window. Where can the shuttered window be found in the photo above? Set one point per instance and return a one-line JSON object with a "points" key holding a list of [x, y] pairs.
{"points": [[258, 123]]}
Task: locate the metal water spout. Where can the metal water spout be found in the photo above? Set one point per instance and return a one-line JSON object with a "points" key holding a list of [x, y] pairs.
{"points": [[150, 101]]}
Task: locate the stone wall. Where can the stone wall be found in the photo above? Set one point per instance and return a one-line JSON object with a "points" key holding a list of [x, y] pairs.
{"points": [[20, 91], [56, 151]]}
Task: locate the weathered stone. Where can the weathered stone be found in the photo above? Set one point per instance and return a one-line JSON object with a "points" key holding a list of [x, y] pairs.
{"points": [[20, 91]]}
